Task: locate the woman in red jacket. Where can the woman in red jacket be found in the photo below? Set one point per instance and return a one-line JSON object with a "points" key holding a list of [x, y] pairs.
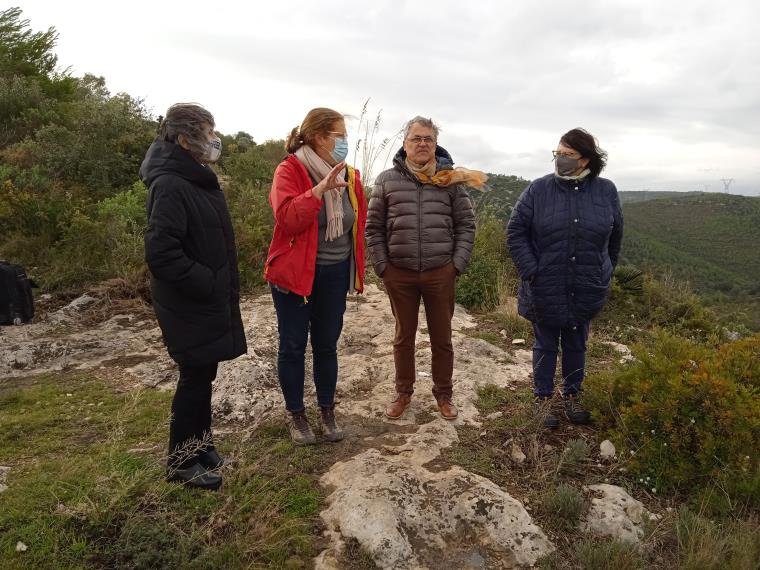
{"points": [[316, 257]]}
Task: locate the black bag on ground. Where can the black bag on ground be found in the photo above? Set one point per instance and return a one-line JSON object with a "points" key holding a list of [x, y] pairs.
{"points": [[16, 301]]}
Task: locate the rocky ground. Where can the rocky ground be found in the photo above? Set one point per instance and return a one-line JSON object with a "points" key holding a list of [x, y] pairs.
{"points": [[389, 492]]}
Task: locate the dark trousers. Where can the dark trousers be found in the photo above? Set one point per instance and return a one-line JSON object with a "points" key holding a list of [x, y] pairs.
{"points": [[572, 339], [436, 287], [191, 415], [322, 316]]}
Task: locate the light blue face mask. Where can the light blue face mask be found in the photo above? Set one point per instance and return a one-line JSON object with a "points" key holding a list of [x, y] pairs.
{"points": [[340, 152]]}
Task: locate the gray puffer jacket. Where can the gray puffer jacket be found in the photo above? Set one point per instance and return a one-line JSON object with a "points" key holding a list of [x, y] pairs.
{"points": [[419, 226]]}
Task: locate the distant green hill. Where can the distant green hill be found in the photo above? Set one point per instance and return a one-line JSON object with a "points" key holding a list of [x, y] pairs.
{"points": [[710, 240], [631, 196], [500, 195]]}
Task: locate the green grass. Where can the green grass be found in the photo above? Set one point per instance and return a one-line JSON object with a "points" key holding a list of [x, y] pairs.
{"points": [[86, 487]]}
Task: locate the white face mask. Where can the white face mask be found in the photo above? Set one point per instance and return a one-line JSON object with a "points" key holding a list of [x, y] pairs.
{"points": [[213, 150]]}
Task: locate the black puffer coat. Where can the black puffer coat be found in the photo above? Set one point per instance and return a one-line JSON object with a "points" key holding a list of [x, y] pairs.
{"points": [[564, 237], [190, 250], [419, 226]]}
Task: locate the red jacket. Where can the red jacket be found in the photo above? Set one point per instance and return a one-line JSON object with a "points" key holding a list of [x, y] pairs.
{"points": [[293, 252]]}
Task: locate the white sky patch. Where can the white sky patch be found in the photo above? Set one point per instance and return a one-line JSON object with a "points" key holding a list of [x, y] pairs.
{"points": [[670, 89]]}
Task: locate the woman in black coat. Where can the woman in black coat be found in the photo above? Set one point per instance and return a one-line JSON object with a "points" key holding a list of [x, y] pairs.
{"points": [[190, 251], [564, 236]]}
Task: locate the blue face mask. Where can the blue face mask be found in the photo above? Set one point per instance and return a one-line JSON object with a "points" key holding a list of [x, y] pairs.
{"points": [[340, 152]]}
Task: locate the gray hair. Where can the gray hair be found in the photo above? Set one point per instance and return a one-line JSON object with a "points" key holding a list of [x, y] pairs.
{"points": [[188, 120], [418, 120]]}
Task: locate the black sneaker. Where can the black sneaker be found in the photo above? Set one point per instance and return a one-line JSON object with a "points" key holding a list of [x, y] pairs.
{"points": [[330, 428], [574, 412], [542, 407], [195, 476], [210, 458], [300, 431]]}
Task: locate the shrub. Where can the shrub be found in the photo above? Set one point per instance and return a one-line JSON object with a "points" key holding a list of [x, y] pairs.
{"points": [[643, 302], [563, 505], [688, 415], [253, 221], [102, 241], [482, 284]]}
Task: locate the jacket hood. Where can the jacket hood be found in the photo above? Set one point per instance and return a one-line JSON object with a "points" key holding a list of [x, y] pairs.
{"points": [[442, 158], [165, 157]]}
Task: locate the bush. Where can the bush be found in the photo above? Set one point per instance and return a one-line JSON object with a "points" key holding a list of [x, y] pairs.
{"points": [[482, 285], [103, 241], [563, 506], [688, 415], [253, 221], [643, 302]]}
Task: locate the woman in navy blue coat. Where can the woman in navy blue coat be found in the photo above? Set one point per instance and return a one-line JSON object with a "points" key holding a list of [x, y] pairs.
{"points": [[564, 237]]}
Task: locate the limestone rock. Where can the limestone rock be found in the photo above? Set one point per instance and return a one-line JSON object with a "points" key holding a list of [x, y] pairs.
{"points": [[3, 474], [517, 454], [607, 449], [409, 517], [615, 514]]}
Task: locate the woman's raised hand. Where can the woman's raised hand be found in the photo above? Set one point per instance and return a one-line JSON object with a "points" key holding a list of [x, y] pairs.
{"points": [[332, 180]]}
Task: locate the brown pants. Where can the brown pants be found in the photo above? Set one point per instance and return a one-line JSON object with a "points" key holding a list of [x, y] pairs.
{"points": [[436, 288]]}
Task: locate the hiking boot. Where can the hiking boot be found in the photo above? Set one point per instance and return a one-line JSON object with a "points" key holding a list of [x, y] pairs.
{"points": [[330, 428], [300, 431], [397, 407], [448, 410], [195, 476], [542, 411], [574, 412], [210, 458]]}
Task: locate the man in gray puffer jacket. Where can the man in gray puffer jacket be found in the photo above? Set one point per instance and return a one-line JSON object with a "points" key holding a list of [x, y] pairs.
{"points": [[420, 234]]}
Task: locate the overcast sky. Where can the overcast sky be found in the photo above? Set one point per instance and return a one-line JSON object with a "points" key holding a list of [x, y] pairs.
{"points": [[670, 88]]}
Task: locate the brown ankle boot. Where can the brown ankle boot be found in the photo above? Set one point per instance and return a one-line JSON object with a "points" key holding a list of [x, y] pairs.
{"points": [[300, 431], [396, 408], [448, 410], [330, 428]]}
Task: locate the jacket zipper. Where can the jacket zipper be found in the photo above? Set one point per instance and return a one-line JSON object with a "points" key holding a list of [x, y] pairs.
{"points": [[419, 226]]}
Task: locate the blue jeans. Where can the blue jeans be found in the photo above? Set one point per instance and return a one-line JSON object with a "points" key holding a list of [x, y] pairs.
{"points": [[322, 316], [573, 342]]}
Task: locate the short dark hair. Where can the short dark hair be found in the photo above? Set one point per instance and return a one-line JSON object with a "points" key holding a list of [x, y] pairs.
{"points": [[583, 142], [187, 119]]}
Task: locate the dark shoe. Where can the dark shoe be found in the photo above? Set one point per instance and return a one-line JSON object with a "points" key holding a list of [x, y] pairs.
{"points": [[542, 412], [448, 410], [397, 407], [574, 412], [196, 476], [300, 431], [330, 428], [210, 458]]}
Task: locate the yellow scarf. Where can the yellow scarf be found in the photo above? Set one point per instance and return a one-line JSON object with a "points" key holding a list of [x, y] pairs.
{"points": [[459, 175]]}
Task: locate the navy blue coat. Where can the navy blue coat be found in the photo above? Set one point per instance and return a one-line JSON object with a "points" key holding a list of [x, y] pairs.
{"points": [[564, 238], [190, 250]]}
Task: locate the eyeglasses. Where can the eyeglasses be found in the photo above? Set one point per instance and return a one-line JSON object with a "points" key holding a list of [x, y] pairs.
{"points": [[575, 155], [418, 140]]}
